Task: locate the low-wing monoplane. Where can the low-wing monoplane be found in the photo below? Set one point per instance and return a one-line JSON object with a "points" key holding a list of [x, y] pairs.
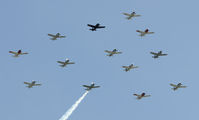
{"points": [[143, 33], [66, 62], [141, 96], [16, 54], [54, 37], [131, 15], [111, 53], [131, 66], [156, 55], [94, 27], [179, 85], [91, 86], [30, 85]]}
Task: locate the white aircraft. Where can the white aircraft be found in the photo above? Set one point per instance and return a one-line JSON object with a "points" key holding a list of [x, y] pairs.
{"points": [[67, 61], [30, 85], [143, 33], [131, 66], [111, 53], [141, 96], [129, 16], [179, 85], [16, 54], [54, 37], [156, 55], [91, 86]]}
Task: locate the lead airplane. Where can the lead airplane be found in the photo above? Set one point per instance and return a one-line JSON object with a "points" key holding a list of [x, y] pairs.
{"points": [[141, 96], [94, 27], [54, 37], [91, 86], [111, 53], [30, 85], [179, 85], [131, 66], [66, 62], [143, 33], [156, 55], [129, 16], [16, 54]]}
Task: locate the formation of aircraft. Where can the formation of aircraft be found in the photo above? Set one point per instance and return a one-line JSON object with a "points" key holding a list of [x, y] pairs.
{"points": [[131, 66], [179, 85], [16, 54], [141, 96], [129, 16], [156, 55], [143, 33], [95, 27], [66, 62], [91, 86], [54, 37], [30, 85], [111, 53]]}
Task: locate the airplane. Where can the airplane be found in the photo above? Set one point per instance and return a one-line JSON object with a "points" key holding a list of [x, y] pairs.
{"points": [[156, 55], [91, 86], [179, 85], [16, 54], [111, 53], [66, 62], [131, 66], [141, 96], [129, 16], [54, 37], [143, 33], [94, 27], [30, 85]]}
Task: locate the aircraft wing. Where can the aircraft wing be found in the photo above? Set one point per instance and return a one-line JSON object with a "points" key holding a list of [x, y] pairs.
{"points": [[126, 14], [90, 25], [62, 36], [24, 53], [164, 54], [153, 53], [51, 35], [173, 85], [150, 32], [107, 51], [101, 27], [147, 96], [118, 52], [70, 63], [37, 84], [61, 62], [12, 52], [139, 31], [96, 86], [125, 66], [86, 86], [137, 15], [27, 83], [182, 86], [136, 95]]}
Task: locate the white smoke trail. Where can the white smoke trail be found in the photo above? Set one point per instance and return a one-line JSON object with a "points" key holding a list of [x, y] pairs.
{"points": [[74, 106]]}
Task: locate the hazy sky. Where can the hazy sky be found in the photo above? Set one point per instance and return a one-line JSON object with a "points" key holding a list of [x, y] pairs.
{"points": [[26, 23]]}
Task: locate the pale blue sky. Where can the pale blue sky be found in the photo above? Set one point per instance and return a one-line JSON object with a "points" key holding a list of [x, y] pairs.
{"points": [[26, 23]]}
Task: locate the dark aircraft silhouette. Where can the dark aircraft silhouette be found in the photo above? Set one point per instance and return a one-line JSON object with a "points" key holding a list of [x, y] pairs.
{"points": [[94, 27], [179, 85], [141, 96], [156, 55], [91, 86], [131, 66], [30, 85], [16, 54], [66, 62], [111, 53]]}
